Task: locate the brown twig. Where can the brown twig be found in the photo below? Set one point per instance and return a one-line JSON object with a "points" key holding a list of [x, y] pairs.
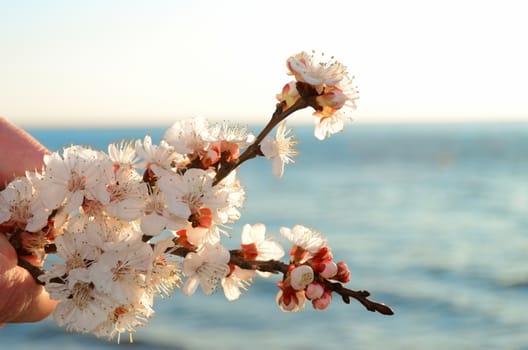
{"points": [[272, 266], [361, 296], [253, 150], [276, 267], [33, 270]]}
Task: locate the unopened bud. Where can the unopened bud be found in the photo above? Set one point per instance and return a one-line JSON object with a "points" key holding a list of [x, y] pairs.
{"points": [[322, 302], [314, 290], [328, 103], [210, 157], [343, 273], [329, 269], [334, 99], [301, 276], [322, 255], [289, 94]]}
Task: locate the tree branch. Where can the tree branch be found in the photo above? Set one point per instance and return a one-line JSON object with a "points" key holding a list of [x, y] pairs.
{"points": [[254, 149], [273, 266]]}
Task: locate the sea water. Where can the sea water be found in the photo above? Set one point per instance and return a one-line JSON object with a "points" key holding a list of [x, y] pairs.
{"points": [[431, 219]]}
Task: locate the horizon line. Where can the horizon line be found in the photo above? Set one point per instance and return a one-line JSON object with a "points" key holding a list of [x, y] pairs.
{"points": [[357, 122]]}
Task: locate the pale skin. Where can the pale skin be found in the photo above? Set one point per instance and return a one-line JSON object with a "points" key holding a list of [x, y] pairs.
{"points": [[21, 299]]}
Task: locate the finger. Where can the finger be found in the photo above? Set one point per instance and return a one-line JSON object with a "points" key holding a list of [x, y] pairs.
{"points": [[21, 298], [20, 152]]}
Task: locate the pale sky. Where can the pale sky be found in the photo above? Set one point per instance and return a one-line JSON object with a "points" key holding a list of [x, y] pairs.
{"points": [[133, 63]]}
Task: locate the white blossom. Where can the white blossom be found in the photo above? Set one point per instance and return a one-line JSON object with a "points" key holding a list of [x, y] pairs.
{"points": [[69, 179], [83, 309], [279, 149], [237, 280], [123, 155], [157, 217], [316, 70], [304, 237], [193, 197], [335, 88], [188, 192], [20, 205], [232, 134], [206, 267], [162, 155], [188, 136], [121, 270], [325, 127], [266, 248], [127, 196], [164, 276]]}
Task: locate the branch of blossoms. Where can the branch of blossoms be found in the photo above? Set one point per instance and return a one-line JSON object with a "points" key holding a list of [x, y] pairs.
{"points": [[254, 150], [274, 266], [242, 259], [120, 222]]}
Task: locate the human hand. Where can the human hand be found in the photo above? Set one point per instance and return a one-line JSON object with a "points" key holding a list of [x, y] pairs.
{"points": [[21, 298]]}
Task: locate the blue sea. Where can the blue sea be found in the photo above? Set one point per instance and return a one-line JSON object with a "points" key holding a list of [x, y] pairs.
{"points": [[432, 220]]}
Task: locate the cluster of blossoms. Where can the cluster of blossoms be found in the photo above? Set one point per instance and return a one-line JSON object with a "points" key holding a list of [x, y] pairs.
{"points": [[120, 222], [311, 264], [333, 87]]}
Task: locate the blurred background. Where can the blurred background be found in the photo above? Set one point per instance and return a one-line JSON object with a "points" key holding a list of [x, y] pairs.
{"points": [[137, 62], [424, 194]]}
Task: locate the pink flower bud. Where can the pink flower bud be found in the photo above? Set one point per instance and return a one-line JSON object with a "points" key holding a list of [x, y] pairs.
{"points": [[289, 94], [329, 270], [301, 276], [322, 302], [322, 255], [334, 99], [329, 103], [229, 150], [343, 273], [314, 290], [210, 157]]}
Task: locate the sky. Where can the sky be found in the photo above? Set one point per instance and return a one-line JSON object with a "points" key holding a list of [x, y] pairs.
{"points": [[147, 63]]}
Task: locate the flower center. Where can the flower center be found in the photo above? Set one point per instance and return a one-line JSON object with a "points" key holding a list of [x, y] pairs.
{"points": [[81, 294], [76, 182]]}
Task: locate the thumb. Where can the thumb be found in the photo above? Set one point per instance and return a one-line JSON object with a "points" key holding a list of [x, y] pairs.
{"points": [[20, 152], [21, 298]]}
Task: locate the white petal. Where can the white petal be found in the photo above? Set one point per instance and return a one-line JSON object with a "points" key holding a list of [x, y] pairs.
{"points": [[53, 195], [269, 250], [277, 167], [231, 289], [268, 147], [253, 233], [74, 202], [37, 222], [319, 131], [178, 208], [210, 275], [191, 262], [153, 225], [128, 209], [190, 286]]}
